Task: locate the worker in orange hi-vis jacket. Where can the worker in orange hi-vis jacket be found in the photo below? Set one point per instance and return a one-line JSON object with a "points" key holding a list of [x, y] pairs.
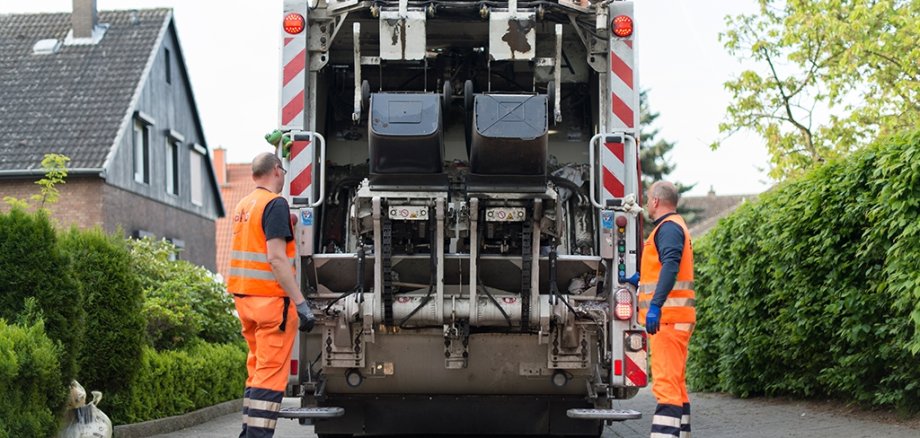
{"points": [[263, 285], [667, 309]]}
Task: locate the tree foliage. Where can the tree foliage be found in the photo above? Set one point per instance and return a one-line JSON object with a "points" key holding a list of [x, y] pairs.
{"points": [[814, 289], [827, 76]]}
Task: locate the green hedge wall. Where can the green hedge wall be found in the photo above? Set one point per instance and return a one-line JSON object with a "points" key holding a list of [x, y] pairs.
{"points": [[175, 382], [33, 265], [814, 290], [111, 353], [30, 384]]}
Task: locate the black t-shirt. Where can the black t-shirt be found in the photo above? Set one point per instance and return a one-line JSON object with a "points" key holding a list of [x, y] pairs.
{"points": [[276, 220]]}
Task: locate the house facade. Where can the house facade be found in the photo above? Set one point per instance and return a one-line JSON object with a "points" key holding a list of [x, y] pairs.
{"points": [[110, 90]]}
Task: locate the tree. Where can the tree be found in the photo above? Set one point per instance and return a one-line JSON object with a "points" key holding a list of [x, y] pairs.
{"points": [[828, 76]]}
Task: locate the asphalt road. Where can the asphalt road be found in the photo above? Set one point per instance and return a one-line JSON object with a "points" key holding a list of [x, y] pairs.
{"points": [[714, 416]]}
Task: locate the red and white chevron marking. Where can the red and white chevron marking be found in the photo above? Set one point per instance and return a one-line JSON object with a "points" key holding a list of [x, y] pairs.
{"points": [[613, 170], [622, 91], [300, 169], [623, 77], [637, 365], [293, 72]]}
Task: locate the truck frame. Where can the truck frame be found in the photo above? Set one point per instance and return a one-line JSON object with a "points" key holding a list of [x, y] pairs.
{"points": [[464, 179]]}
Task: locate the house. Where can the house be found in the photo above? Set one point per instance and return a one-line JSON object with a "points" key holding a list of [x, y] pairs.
{"points": [[236, 182], [702, 213], [110, 90]]}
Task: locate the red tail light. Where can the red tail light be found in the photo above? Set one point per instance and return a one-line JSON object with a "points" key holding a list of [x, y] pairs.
{"points": [[622, 26], [295, 367], [294, 23], [623, 309]]}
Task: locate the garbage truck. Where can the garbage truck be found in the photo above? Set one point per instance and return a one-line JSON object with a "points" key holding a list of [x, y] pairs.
{"points": [[464, 182]]}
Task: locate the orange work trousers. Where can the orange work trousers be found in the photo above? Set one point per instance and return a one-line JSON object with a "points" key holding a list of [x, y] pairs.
{"points": [[269, 347], [669, 385]]}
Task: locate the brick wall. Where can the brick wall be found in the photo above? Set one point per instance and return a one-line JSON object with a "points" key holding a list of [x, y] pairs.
{"points": [[133, 212], [80, 202], [89, 201]]}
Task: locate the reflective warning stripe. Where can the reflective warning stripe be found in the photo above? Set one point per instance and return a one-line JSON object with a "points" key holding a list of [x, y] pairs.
{"points": [[664, 420], [671, 302], [265, 405], [623, 78], [683, 285], [250, 256], [264, 423], [252, 273]]}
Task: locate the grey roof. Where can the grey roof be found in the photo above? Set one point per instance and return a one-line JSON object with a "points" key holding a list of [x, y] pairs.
{"points": [[704, 212], [71, 102]]}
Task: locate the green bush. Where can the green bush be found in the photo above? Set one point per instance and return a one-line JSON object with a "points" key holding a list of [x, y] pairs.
{"points": [[814, 290], [175, 382], [183, 302], [29, 382], [113, 298], [32, 265]]}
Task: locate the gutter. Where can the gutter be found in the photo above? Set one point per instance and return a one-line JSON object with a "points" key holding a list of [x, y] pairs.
{"points": [[14, 173]]}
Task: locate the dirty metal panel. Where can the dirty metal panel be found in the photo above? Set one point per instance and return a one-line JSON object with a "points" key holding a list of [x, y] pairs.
{"points": [[402, 38], [512, 37]]}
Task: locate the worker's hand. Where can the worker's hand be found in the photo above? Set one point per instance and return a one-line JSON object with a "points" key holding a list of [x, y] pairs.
{"points": [[652, 319], [633, 279], [307, 320]]}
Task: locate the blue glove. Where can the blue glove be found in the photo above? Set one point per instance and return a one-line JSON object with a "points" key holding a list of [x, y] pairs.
{"points": [[652, 319], [633, 279]]}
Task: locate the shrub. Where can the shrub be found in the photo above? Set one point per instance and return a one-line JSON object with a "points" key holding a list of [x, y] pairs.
{"points": [[115, 327], [29, 381], [814, 290], [175, 382], [32, 265], [183, 302]]}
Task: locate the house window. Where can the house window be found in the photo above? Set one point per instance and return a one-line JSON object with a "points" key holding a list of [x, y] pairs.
{"points": [[180, 246], [167, 65], [196, 162], [172, 165], [141, 152]]}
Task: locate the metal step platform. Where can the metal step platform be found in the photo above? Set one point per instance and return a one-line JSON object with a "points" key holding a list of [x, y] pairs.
{"points": [[604, 414], [299, 413]]}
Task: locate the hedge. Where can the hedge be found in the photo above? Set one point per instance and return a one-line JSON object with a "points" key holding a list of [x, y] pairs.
{"points": [[32, 265], [183, 302], [29, 382], [814, 290], [175, 382], [115, 327]]}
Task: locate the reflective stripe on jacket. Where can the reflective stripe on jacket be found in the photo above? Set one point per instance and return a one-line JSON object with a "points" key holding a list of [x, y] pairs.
{"points": [[680, 305], [250, 272]]}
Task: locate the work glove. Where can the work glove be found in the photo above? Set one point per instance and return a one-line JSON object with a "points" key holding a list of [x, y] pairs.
{"points": [[652, 319], [633, 279], [307, 320]]}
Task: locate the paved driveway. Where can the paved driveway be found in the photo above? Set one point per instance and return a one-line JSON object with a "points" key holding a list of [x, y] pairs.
{"points": [[714, 416]]}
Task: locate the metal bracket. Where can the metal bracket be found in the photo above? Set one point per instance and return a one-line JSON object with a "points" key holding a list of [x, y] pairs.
{"points": [[356, 115], [456, 345], [557, 76]]}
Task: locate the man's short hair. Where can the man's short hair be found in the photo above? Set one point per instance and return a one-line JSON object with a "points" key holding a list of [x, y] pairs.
{"points": [[666, 192], [264, 164]]}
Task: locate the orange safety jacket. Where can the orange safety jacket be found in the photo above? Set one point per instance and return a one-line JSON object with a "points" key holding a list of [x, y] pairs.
{"points": [[250, 272], [680, 307]]}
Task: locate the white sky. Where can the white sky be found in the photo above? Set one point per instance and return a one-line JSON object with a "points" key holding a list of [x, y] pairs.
{"points": [[231, 50]]}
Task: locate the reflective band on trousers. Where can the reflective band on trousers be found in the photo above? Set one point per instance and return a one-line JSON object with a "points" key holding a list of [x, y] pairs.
{"points": [[650, 288], [264, 423], [253, 256], [671, 302]]}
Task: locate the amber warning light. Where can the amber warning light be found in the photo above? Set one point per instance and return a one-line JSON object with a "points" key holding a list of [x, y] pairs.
{"points": [[294, 23], [622, 26]]}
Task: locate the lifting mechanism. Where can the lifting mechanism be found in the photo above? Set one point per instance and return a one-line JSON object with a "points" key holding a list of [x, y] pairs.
{"points": [[458, 243]]}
